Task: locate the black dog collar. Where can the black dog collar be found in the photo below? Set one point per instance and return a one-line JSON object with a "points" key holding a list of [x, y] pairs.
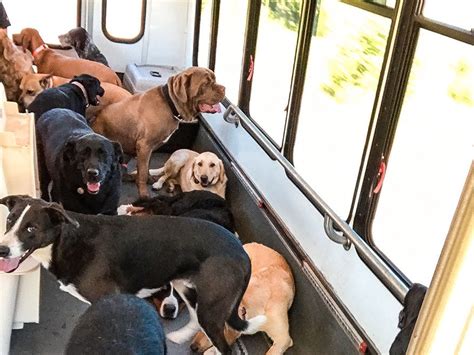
{"points": [[166, 94]]}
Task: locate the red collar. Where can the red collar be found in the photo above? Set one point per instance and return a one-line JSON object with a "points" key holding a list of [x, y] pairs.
{"points": [[39, 50]]}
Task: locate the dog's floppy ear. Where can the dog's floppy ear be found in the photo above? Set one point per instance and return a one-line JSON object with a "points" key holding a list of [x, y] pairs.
{"points": [[18, 38], [180, 85], [46, 81], [100, 91], [12, 200], [222, 175], [58, 215], [118, 152], [69, 151]]}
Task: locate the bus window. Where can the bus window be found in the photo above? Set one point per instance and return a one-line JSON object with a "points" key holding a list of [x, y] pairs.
{"points": [[205, 33], [230, 42], [37, 18], [430, 157], [460, 14], [343, 71], [116, 13], [276, 44]]}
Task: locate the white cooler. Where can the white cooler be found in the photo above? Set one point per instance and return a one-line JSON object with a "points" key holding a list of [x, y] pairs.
{"points": [[139, 78]]}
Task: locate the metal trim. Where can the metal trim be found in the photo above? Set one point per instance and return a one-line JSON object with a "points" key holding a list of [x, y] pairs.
{"points": [[443, 29], [197, 31], [216, 9], [371, 7], [79, 13], [393, 283], [118, 39]]}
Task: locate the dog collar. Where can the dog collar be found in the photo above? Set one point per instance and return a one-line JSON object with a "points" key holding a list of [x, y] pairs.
{"points": [[39, 50], [166, 94], [83, 89]]}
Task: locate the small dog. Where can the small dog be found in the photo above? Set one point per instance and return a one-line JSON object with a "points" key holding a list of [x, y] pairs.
{"points": [[83, 166], [270, 292], [76, 95], [167, 302], [197, 204], [95, 256], [192, 171], [14, 64], [79, 39], [118, 324], [34, 84]]}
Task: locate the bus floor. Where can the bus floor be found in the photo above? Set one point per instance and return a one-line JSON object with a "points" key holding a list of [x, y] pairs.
{"points": [[59, 311]]}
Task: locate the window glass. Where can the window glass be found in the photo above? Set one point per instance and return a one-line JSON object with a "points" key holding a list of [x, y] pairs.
{"points": [[121, 12], [387, 3], [457, 13], [276, 44], [31, 13], [205, 33], [230, 44], [430, 157], [343, 71]]}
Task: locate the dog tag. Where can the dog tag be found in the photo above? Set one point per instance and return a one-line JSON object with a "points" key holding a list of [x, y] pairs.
{"points": [[80, 190]]}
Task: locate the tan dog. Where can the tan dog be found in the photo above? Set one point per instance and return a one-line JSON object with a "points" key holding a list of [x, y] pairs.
{"points": [[192, 171], [14, 64], [270, 292], [33, 84], [50, 62], [143, 122]]}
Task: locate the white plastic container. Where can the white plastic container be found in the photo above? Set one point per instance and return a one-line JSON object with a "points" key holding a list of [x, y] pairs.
{"points": [[139, 78]]}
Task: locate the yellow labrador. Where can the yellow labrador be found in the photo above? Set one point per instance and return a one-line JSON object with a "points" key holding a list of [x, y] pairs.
{"points": [[143, 122], [271, 291], [192, 171]]}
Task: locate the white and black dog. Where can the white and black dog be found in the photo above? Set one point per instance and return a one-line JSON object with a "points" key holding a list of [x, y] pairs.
{"points": [[93, 256], [84, 167]]}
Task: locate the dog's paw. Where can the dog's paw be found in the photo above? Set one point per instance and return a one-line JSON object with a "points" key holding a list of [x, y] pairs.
{"points": [[178, 336], [123, 210], [157, 185]]}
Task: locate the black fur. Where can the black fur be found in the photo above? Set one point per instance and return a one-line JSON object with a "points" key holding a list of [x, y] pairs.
{"points": [[407, 318], [102, 255], [68, 96], [67, 150], [197, 204], [118, 324], [81, 41]]}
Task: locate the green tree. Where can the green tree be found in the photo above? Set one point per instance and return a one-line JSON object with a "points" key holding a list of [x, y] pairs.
{"points": [[460, 90]]}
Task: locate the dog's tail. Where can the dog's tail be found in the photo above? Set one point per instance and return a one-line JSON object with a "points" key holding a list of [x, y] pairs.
{"points": [[250, 326]]}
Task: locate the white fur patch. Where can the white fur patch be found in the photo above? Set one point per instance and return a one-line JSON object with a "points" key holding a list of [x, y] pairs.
{"points": [[71, 289], [43, 255], [10, 238], [170, 300], [255, 324], [122, 210], [146, 292]]}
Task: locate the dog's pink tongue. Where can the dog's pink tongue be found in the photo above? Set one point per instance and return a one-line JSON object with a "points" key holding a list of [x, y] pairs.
{"points": [[7, 265], [93, 186], [210, 108]]}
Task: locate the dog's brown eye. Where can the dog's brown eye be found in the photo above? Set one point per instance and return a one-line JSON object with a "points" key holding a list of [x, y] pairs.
{"points": [[212, 165], [200, 163]]}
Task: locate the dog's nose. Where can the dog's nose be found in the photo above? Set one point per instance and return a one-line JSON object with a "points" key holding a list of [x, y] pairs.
{"points": [[194, 347], [168, 310], [93, 172], [4, 251], [204, 179]]}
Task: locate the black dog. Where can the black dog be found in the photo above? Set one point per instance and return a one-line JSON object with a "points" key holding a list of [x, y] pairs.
{"points": [[94, 256], [81, 41], [83, 166], [118, 324], [76, 95], [407, 319], [197, 204]]}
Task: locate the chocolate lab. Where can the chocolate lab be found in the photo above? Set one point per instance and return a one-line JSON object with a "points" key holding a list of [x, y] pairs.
{"points": [[50, 62], [83, 166], [143, 122], [76, 95], [79, 39]]}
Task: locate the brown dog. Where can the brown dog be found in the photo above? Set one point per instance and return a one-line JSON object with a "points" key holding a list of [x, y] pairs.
{"points": [[270, 292], [14, 64], [192, 171], [33, 84], [143, 122], [50, 62]]}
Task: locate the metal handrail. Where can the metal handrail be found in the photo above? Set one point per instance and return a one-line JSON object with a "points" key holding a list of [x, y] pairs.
{"points": [[396, 286]]}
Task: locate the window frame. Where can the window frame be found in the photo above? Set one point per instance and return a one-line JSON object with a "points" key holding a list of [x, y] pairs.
{"points": [[112, 38]]}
